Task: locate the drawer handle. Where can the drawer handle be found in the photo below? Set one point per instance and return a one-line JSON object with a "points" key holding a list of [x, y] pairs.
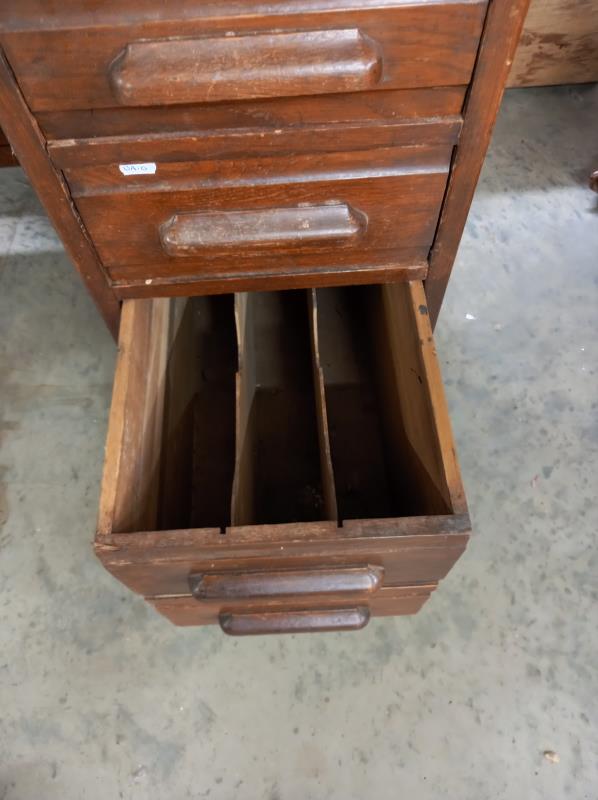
{"points": [[342, 619], [211, 69], [247, 585], [189, 234]]}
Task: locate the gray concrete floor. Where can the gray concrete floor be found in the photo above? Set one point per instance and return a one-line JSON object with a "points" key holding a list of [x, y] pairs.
{"points": [[101, 698]]}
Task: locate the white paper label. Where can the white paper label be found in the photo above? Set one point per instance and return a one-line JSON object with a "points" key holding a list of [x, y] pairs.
{"points": [[138, 169]]}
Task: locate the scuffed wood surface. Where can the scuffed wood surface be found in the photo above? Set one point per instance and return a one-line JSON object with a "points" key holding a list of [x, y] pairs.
{"points": [[559, 44]]}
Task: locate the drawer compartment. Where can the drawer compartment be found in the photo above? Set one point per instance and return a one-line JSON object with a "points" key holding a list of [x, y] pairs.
{"points": [[282, 460], [214, 52], [201, 221]]}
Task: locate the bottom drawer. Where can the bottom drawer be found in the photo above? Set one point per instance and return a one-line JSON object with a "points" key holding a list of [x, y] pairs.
{"points": [[281, 461], [311, 615]]}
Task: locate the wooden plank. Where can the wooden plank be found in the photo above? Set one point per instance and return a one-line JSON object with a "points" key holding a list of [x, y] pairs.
{"points": [[181, 386], [215, 365], [410, 549], [362, 451], [129, 494], [30, 148], [126, 225], [176, 174], [387, 601], [559, 44], [326, 469], [214, 68], [272, 277], [499, 40], [419, 44], [277, 439], [392, 448], [243, 494], [400, 113], [233, 144], [419, 386]]}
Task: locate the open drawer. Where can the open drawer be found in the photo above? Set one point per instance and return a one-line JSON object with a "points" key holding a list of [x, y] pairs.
{"points": [[281, 461]]}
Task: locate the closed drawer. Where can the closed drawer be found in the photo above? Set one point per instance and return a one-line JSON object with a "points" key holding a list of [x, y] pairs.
{"points": [[198, 221], [281, 460], [315, 614], [217, 52]]}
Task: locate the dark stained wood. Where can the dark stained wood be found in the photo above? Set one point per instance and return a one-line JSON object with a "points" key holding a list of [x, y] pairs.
{"points": [[268, 118], [499, 40], [255, 624], [129, 488], [247, 585], [200, 234], [330, 506], [410, 549], [105, 154], [29, 146], [172, 175], [174, 377], [559, 44], [391, 443], [276, 416], [387, 601], [270, 277], [389, 196], [418, 45], [34, 15], [214, 68]]}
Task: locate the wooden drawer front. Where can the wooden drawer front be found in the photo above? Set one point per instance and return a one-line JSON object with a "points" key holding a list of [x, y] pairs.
{"points": [[224, 219], [285, 455], [331, 614], [218, 54], [272, 123]]}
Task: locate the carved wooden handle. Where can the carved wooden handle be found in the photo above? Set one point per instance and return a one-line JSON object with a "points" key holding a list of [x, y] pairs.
{"points": [[241, 67], [190, 234], [246, 585], [343, 619]]}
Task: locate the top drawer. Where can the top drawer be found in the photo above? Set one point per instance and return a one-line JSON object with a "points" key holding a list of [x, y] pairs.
{"points": [[222, 52]]}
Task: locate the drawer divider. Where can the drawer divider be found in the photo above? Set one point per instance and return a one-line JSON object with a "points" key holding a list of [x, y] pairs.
{"points": [[328, 485], [282, 470], [242, 510]]}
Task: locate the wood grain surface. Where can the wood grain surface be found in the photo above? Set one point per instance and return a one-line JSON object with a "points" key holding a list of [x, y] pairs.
{"points": [[30, 148], [559, 44], [414, 45]]}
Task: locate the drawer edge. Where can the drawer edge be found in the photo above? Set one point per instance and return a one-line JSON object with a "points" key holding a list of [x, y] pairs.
{"points": [[197, 285], [153, 564], [389, 601]]}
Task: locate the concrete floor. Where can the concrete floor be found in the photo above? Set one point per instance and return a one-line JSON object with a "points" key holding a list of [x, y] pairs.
{"points": [[101, 698]]}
